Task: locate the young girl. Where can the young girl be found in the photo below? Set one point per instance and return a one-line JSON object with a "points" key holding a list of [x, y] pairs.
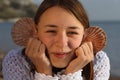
{"points": [[58, 53]]}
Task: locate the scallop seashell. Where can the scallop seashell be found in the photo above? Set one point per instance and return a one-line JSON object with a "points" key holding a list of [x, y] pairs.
{"points": [[22, 30], [97, 36]]}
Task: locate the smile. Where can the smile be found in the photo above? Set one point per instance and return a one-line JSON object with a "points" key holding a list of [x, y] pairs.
{"points": [[60, 55]]}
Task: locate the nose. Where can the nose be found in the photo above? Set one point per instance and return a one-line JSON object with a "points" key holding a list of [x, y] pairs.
{"points": [[61, 40]]}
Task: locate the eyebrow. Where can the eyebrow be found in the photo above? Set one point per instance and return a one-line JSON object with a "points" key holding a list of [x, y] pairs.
{"points": [[55, 26], [74, 27], [51, 25]]}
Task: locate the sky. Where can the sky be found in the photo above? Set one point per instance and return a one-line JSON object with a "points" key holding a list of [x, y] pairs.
{"points": [[100, 10]]}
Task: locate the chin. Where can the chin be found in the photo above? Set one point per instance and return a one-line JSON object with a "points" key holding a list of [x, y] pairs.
{"points": [[60, 62], [58, 65]]}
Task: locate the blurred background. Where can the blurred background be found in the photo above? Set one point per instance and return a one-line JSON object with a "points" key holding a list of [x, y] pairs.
{"points": [[103, 13]]}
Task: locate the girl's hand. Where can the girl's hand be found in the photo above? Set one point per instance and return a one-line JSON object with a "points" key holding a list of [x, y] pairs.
{"points": [[35, 50], [84, 55]]}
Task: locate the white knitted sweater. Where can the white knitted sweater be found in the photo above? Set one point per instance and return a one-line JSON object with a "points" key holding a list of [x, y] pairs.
{"points": [[16, 67]]}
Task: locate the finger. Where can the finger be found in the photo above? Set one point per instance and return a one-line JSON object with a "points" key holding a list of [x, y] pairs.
{"points": [[32, 47], [87, 52], [91, 49], [42, 49], [90, 46], [28, 46], [36, 46], [90, 52], [79, 52], [87, 48]]}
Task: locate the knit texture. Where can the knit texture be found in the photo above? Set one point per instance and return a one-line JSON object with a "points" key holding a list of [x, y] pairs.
{"points": [[16, 67]]}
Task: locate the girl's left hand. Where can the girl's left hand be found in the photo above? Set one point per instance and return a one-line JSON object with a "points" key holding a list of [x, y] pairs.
{"points": [[84, 55]]}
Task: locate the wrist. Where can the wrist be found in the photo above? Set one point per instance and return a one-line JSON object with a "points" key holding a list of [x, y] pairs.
{"points": [[46, 72], [73, 76], [43, 76], [67, 71]]}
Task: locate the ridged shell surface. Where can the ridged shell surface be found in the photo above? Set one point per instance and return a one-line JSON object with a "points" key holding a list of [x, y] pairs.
{"points": [[22, 30], [97, 36]]}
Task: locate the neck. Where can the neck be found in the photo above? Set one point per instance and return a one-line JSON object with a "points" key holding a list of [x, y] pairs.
{"points": [[55, 70]]}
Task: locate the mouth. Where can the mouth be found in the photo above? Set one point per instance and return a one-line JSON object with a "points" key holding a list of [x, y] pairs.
{"points": [[60, 55]]}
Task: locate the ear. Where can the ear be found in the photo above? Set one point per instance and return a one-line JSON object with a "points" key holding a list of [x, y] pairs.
{"points": [[22, 30], [97, 36]]}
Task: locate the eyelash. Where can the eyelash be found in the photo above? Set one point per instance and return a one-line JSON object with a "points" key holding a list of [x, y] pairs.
{"points": [[74, 33], [69, 33], [51, 31]]}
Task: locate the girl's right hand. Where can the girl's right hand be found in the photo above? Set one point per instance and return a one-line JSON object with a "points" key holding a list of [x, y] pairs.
{"points": [[35, 50]]}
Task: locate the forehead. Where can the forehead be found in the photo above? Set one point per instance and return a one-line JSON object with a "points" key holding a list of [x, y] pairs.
{"points": [[57, 13], [58, 16]]}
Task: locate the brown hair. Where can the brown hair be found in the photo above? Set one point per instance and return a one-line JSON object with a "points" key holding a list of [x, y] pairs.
{"points": [[76, 8]]}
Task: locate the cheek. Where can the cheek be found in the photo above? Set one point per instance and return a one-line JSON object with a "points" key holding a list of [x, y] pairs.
{"points": [[45, 40], [76, 42]]}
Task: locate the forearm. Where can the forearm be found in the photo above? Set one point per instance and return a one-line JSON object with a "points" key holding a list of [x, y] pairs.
{"points": [[101, 67], [15, 67]]}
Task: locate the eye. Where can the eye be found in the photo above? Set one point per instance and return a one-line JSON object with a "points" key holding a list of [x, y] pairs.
{"points": [[51, 31], [72, 33]]}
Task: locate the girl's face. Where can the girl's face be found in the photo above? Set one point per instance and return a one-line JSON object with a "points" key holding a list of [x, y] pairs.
{"points": [[62, 33]]}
